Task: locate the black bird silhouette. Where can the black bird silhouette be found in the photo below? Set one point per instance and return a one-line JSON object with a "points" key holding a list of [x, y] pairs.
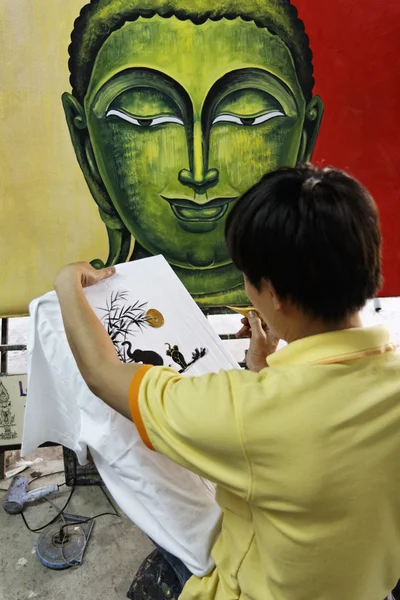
{"points": [[180, 360], [147, 357], [177, 356]]}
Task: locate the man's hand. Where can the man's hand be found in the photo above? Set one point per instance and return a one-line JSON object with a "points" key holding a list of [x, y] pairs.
{"points": [[97, 360], [262, 342], [83, 274]]}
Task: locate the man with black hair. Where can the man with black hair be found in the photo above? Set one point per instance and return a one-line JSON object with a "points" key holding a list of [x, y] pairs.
{"points": [[304, 446], [295, 242], [177, 108]]}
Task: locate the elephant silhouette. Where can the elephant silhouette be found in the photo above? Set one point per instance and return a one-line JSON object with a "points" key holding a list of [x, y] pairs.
{"points": [[147, 357]]}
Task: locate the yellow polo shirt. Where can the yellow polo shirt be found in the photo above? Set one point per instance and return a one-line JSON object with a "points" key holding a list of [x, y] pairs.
{"points": [[306, 458]]}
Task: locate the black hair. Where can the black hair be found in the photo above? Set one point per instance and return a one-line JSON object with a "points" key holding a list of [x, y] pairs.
{"points": [[100, 18], [314, 234]]}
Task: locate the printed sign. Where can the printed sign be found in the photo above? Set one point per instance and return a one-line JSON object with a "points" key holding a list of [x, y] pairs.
{"points": [[13, 394]]}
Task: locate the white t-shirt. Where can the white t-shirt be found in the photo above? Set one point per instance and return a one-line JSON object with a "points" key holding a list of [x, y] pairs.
{"points": [[173, 506]]}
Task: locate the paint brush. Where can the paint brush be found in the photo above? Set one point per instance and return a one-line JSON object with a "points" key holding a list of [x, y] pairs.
{"points": [[244, 311]]}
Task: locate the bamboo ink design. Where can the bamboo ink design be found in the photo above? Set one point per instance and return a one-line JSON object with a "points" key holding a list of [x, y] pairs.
{"points": [[122, 321]]}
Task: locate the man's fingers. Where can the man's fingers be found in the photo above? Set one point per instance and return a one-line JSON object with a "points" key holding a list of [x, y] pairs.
{"points": [[105, 273], [256, 325], [111, 271], [90, 276], [245, 332]]}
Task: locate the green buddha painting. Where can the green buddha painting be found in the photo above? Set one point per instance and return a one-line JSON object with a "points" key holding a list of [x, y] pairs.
{"points": [[177, 108]]}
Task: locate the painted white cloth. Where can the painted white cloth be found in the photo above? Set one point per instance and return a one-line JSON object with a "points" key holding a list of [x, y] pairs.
{"points": [[173, 506]]}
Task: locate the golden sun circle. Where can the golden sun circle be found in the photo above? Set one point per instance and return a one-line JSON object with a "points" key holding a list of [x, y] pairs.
{"points": [[154, 318]]}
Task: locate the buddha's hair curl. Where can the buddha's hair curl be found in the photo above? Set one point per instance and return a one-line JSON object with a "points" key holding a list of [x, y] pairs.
{"points": [[100, 18]]}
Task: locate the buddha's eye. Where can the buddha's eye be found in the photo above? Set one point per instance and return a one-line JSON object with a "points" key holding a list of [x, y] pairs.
{"points": [[248, 121], [145, 123]]}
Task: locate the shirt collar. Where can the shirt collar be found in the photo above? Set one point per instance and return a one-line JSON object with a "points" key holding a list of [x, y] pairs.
{"points": [[334, 347]]}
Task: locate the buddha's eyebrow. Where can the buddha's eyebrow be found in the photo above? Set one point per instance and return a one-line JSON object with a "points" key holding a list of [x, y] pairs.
{"points": [[251, 78], [131, 78]]}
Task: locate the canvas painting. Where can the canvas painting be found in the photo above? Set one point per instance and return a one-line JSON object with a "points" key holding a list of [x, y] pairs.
{"points": [[131, 127]]}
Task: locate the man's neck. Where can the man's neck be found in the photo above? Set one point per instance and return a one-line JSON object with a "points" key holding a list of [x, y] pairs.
{"points": [[306, 327]]}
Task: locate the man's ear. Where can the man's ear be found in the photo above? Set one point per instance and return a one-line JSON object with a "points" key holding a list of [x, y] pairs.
{"points": [[77, 125], [276, 301], [312, 123]]}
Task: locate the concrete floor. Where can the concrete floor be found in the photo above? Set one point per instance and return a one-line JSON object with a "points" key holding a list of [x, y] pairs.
{"points": [[114, 552]]}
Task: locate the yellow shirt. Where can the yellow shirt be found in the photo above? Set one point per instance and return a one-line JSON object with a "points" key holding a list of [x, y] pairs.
{"points": [[306, 458]]}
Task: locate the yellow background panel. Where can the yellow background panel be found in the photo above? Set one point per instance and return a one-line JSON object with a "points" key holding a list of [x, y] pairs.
{"points": [[48, 217]]}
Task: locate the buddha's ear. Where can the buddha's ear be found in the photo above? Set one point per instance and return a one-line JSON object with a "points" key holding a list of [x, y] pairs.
{"points": [[77, 125], [118, 236], [312, 123]]}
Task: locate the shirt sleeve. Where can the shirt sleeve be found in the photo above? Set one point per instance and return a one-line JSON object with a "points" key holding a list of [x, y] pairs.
{"points": [[192, 420]]}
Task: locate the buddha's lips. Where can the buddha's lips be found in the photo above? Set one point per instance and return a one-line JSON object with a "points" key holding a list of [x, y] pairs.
{"points": [[186, 210]]}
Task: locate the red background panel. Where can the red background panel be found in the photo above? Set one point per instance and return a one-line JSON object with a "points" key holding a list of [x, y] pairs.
{"points": [[356, 47]]}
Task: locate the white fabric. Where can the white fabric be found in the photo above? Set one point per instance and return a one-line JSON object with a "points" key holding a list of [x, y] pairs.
{"points": [[176, 508]]}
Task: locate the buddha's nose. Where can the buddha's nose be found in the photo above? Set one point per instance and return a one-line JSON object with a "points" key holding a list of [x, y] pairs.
{"points": [[207, 179], [199, 177]]}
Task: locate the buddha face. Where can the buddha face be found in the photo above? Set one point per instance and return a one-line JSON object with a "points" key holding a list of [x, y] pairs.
{"points": [[184, 118]]}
